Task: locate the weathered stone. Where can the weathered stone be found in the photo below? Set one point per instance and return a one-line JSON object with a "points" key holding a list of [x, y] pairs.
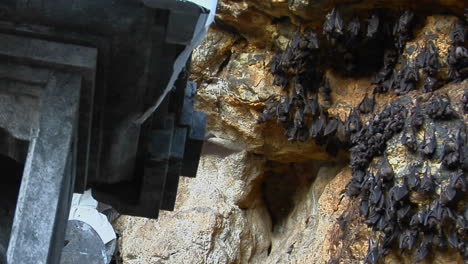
{"points": [[209, 57], [213, 222]]}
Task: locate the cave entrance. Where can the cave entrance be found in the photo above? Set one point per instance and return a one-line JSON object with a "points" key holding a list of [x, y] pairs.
{"points": [[284, 186]]}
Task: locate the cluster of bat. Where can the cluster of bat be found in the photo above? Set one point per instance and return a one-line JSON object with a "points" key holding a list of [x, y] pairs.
{"points": [[355, 45], [349, 47], [308, 120], [426, 63], [299, 70], [302, 113], [440, 222]]}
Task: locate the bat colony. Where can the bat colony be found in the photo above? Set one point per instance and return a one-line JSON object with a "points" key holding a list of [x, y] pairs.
{"points": [[440, 221]]}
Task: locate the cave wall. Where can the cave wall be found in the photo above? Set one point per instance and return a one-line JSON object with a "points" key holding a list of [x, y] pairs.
{"points": [[259, 197]]}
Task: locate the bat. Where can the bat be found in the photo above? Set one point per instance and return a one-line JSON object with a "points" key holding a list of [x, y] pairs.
{"points": [[417, 118], [428, 146], [372, 26], [385, 169], [408, 139], [367, 105], [427, 182], [353, 123], [331, 127]]}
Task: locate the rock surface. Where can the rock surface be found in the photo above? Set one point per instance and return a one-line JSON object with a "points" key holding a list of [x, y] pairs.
{"points": [[259, 198]]}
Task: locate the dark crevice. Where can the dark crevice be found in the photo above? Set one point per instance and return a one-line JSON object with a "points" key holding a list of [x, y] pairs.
{"points": [[9, 189], [224, 63], [281, 190]]}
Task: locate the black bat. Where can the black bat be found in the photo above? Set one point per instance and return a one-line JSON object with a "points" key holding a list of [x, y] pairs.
{"points": [[299, 118], [429, 143], [359, 175], [384, 78], [421, 58], [282, 110], [318, 125], [398, 192], [269, 112], [333, 26], [423, 249], [461, 224], [290, 132], [353, 28], [391, 235], [440, 108], [390, 207], [403, 212], [353, 188], [408, 139], [413, 180], [375, 194], [457, 60], [311, 39], [331, 127], [417, 117], [325, 92], [407, 240], [369, 182], [431, 219], [430, 84], [382, 224], [408, 76], [373, 253], [418, 219], [432, 65], [453, 240], [464, 101], [427, 182], [275, 64], [353, 124], [458, 181], [299, 89], [303, 134], [385, 169], [446, 214], [364, 207], [367, 104], [401, 30], [338, 24], [447, 194], [373, 217], [312, 107], [329, 24], [458, 34], [440, 241], [280, 80], [373, 26], [451, 149]]}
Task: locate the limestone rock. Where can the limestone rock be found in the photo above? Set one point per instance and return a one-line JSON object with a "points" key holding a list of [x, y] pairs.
{"points": [[211, 54], [259, 198], [213, 222]]}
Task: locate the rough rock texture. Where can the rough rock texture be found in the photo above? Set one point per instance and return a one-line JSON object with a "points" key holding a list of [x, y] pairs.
{"points": [[220, 217], [259, 198]]}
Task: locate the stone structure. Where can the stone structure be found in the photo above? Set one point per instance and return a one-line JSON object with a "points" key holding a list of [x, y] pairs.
{"points": [[92, 95]]}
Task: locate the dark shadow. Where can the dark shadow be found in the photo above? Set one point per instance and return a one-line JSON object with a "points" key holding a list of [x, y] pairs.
{"points": [[11, 173]]}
